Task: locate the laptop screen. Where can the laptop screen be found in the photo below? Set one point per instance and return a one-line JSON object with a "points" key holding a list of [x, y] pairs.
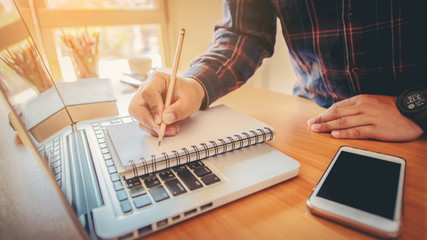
{"points": [[25, 81], [44, 106]]}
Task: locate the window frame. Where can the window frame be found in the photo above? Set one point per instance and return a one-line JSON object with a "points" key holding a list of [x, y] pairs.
{"points": [[47, 20]]}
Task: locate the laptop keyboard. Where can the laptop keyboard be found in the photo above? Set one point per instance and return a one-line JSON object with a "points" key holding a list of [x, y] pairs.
{"points": [[51, 152], [143, 191]]}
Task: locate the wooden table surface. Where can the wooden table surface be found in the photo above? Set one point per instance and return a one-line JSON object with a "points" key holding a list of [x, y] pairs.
{"points": [[278, 212]]}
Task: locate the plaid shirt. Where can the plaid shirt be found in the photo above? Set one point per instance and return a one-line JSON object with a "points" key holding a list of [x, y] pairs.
{"points": [[338, 48]]}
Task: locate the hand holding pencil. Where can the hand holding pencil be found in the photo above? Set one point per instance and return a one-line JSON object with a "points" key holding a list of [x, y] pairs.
{"points": [[171, 86], [151, 108]]}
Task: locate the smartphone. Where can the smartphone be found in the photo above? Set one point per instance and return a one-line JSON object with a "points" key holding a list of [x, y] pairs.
{"points": [[363, 190]]}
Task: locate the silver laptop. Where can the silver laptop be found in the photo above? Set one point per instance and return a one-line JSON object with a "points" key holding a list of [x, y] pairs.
{"points": [[112, 207]]}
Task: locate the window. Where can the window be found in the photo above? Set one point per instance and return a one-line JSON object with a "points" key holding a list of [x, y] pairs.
{"points": [[102, 4], [125, 28], [8, 14]]}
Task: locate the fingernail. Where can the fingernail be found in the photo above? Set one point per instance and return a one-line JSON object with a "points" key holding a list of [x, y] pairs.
{"points": [[315, 127], [169, 118], [336, 134], [310, 121], [157, 119], [172, 131]]}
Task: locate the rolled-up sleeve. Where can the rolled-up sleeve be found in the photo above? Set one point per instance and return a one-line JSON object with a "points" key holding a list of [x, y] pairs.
{"points": [[241, 41]]}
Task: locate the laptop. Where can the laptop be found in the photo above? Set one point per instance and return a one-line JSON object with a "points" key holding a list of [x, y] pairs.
{"points": [[111, 207]]}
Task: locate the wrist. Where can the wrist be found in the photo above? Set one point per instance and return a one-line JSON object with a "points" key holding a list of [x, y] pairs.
{"points": [[412, 103], [198, 91]]}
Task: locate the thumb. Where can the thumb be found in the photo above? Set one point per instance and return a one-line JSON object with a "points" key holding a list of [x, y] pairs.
{"points": [[155, 104], [176, 112]]}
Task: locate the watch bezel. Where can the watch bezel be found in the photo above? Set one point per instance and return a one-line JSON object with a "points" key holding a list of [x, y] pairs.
{"points": [[401, 97]]}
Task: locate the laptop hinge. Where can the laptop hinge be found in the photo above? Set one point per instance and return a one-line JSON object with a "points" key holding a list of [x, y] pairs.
{"points": [[74, 127], [86, 192]]}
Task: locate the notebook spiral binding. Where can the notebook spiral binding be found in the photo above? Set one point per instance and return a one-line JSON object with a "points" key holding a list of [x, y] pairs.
{"points": [[245, 139], [134, 168]]}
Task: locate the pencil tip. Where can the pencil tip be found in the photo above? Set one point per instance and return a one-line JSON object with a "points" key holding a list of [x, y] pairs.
{"points": [[159, 143]]}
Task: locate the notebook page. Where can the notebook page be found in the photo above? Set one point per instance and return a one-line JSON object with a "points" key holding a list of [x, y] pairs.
{"points": [[132, 144]]}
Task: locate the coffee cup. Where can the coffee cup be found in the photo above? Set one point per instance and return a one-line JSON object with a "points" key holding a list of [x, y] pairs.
{"points": [[140, 66]]}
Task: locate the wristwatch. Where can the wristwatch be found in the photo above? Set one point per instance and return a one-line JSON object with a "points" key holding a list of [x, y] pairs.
{"points": [[412, 103]]}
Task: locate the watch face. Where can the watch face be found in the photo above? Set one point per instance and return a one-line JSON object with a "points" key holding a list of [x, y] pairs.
{"points": [[414, 100]]}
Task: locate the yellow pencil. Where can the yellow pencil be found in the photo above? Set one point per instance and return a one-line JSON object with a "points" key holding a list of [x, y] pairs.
{"points": [[172, 80]]}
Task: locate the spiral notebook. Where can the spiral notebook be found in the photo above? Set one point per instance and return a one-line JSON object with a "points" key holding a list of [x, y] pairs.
{"points": [[207, 133]]}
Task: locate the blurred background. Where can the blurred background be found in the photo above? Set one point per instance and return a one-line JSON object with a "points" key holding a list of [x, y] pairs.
{"points": [[86, 38]]}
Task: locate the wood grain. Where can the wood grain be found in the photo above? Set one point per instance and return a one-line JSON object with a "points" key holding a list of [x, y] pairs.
{"points": [[278, 212]]}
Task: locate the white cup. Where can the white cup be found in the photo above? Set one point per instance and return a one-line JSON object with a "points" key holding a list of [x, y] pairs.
{"points": [[140, 66]]}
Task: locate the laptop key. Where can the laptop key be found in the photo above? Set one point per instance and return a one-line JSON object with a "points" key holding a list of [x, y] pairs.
{"points": [[56, 163], [175, 187], [142, 201], [201, 171], [126, 207], [209, 179], [127, 120], [121, 195], [133, 182], [137, 191], [166, 175], [109, 163], [159, 193], [189, 179], [112, 169], [107, 156], [116, 121], [56, 170], [194, 164], [115, 177], [179, 168], [149, 175], [151, 182], [104, 124], [118, 186]]}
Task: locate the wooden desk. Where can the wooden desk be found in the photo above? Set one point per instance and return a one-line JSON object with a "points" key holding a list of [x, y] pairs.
{"points": [[278, 212]]}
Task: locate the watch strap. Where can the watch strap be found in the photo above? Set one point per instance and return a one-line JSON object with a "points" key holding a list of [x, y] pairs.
{"points": [[421, 119]]}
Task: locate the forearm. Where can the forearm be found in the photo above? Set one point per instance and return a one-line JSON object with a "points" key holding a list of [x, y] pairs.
{"points": [[237, 50]]}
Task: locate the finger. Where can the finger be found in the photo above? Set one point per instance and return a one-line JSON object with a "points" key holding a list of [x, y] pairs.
{"points": [[362, 132], [138, 110], [155, 104], [172, 130], [337, 110], [176, 112], [152, 93], [148, 130], [341, 123]]}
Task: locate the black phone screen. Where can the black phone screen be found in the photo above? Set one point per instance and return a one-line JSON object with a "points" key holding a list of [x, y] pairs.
{"points": [[362, 182]]}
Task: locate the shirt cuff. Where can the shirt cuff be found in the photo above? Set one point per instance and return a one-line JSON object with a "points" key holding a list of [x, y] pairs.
{"points": [[210, 82]]}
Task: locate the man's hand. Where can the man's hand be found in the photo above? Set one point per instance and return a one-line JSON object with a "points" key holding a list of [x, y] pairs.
{"points": [[366, 116], [147, 106]]}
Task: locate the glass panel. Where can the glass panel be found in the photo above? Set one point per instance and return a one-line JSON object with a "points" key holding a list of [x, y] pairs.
{"points": [[115, 45], [102, 4], [22, 71], [26, 84], [8, 13]]}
